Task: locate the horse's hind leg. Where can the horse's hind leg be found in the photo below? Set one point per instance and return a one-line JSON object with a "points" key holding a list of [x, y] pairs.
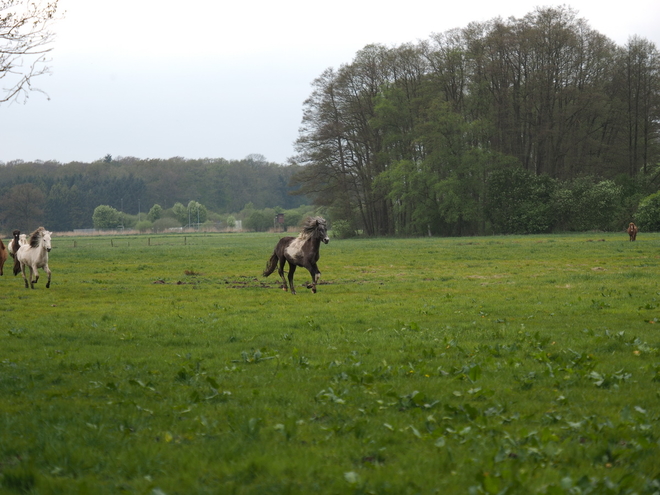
{"points": [[280, 270], [292, 270]]}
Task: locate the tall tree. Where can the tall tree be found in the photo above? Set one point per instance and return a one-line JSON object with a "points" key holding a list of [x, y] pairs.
{"points": [[639, 89], [339, 142]]}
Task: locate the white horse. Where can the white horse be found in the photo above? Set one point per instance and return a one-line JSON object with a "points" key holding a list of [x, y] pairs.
{"points": [[34, 254]]}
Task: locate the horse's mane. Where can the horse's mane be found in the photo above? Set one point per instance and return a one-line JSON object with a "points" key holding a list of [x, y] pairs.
{"points": [[311, 226], [36, 236]]}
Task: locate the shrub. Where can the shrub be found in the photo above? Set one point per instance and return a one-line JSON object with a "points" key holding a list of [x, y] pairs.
{"points": [[583, 204], [519, 202], [144, 226], [155, 213], [647, 217], [106, 217], [341, 229], [165, 223], [292, 219], [259, 221]]}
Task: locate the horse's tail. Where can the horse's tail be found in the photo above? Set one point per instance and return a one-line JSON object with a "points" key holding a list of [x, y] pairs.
{"points": [[271, 265]]}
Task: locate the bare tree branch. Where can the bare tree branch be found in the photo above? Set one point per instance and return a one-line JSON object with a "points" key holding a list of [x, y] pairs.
{"points": [[25, 41]]}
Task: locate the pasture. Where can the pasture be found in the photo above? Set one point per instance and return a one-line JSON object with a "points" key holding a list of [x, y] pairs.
{"points": [[169, 365]]}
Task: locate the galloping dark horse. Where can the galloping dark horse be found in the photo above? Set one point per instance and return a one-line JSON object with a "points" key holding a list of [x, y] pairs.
{"points": [[300, 251]]}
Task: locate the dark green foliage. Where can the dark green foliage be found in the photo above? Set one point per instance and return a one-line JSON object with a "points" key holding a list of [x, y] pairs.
{"points": [[259, 221], [64, 196], [155, 213], [585, 204], [342, 229], [648, 213], [418, 139], [106, 218], [520, 202]]}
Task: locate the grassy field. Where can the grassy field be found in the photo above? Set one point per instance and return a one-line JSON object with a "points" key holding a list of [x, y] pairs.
{"points": [[168, 365]]}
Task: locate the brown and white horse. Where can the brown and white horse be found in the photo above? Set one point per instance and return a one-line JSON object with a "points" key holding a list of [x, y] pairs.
{"points": [[300, 251], [13, 247], [34, 254], [632, 231]]}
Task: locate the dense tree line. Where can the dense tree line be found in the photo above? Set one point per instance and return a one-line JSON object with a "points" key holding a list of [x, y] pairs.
{"points": [[519, 125], [65, 196]]}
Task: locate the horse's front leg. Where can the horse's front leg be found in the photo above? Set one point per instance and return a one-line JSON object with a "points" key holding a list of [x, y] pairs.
{"points": [[22, 269], [316, 275], [48, 272], [34, 276], [292, 270]]}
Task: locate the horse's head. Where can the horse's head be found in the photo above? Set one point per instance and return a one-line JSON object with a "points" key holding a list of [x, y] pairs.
{"points": [[325, 238], [45, 241], [322, 230], [315, 228], [40, 238]]}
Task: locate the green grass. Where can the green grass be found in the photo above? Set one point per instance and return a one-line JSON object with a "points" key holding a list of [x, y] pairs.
{"points": [[167, 364]]}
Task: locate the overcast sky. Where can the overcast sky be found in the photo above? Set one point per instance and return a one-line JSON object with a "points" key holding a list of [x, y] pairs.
{"points": [[210, 79]]}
